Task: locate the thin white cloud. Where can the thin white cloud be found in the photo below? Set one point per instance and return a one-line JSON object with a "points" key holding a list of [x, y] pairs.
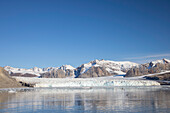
{"points": [[150, 56]]}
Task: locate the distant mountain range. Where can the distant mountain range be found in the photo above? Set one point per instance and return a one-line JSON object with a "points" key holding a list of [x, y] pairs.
{"points": [[96, 68], [34, 72]]}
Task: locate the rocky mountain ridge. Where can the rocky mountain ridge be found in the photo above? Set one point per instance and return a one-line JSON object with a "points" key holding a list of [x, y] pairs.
{"points": [[149, 68], [96, 68]]}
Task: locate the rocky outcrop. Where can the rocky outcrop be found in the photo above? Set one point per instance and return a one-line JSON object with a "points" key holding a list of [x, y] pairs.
{"points": [[137, 71], [61, 72], [149, 68], [22, 75], [58, 73], [95, 72], [6, 81], [54, 74], [165, 77]]}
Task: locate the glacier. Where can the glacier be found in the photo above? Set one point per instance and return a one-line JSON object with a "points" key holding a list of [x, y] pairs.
{"points": [[84, 82]]}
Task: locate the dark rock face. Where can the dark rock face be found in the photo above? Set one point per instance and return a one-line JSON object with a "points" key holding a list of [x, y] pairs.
{"points": [[137, 71], [79, 70], [69, 73], [23, 75], [94, 72], [165, 77], [59, 73], [54, 74], [149, 68]]}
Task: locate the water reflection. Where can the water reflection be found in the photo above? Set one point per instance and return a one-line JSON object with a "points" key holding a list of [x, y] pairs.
{"points": [[127, 99]]}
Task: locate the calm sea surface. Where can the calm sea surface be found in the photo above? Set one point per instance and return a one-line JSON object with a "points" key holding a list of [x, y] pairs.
{"points": [[91, 100]]}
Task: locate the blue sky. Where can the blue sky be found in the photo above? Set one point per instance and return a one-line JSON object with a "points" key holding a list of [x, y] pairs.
{"points": [[47, 33]]}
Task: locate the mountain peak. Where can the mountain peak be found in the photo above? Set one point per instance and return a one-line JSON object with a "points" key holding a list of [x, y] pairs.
{"points": [[65, 67], [104, 67], [166, 60]]}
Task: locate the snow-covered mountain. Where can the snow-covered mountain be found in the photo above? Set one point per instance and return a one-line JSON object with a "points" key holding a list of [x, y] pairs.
{"points": [[61, 72], [149, 68], [35, 71], [162, 61], [99, 68], [66, 67], [94, 68]]}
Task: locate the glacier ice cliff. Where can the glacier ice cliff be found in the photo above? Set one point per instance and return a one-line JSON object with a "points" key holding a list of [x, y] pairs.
{"points": [[84, 82]]}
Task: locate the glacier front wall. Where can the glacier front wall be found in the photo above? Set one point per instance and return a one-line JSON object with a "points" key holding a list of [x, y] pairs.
{"points": [[87, 82]]}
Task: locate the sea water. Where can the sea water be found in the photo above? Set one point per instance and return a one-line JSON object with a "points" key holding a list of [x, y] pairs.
{"points": [[86, 99]]}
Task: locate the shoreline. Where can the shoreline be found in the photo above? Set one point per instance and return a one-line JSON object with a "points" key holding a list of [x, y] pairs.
{"points": [[77, 88]]}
